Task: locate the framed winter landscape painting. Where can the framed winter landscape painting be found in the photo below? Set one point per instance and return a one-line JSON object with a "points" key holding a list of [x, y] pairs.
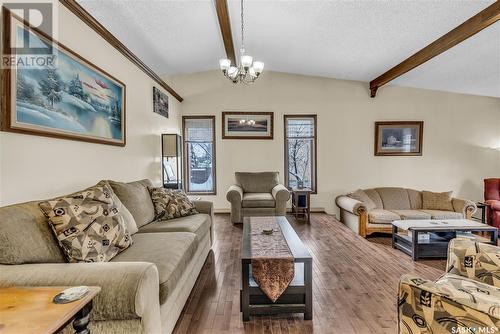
{"points": [[67, 97], [160, 102], [399, 138]]}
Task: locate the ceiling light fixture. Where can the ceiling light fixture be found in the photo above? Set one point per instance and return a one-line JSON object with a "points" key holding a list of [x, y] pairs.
{"points": [[248, 70]]}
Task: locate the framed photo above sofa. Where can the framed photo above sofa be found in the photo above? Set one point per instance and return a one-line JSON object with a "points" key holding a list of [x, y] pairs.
{"points": [[67, 97], [247, 125], [398, 138]]}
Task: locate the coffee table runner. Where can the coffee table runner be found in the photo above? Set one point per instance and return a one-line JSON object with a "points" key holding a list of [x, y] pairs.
{"points": [[272, 260]]}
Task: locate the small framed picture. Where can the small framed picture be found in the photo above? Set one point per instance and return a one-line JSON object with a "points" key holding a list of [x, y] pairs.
{"points": [[160, 102], [398, 138], [247, 125]]}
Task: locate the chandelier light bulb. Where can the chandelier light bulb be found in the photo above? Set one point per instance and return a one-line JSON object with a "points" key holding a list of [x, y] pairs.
{"points": [[258, 66], [246, 61], [225, 64]]}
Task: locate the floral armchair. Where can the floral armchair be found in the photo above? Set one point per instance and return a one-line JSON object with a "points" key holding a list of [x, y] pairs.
{"points": [[464, 300]]}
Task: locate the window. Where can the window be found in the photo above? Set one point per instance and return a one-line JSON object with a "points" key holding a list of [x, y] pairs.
{"points": [[199, 150], [300, 151]]}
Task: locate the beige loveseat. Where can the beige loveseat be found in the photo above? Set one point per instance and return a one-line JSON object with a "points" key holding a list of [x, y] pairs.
{"points": [[391, 203], [144, 288], [257, 194]]}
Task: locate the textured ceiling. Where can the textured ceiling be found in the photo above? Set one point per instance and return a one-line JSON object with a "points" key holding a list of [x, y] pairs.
{"points": [[355, 40]]}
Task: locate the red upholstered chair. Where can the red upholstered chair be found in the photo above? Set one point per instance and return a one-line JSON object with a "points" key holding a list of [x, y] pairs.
{"points": [[492, 200]]}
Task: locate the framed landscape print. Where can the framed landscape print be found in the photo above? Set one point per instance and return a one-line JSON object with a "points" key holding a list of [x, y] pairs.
{"points": [[247, 125], [160, 102], [398, 138], [67, 98]]}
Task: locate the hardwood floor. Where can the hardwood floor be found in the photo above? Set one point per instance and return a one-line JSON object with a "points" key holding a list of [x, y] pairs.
{"points": [[355, 283]]}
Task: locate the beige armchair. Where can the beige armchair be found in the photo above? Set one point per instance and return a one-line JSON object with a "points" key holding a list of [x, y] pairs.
{"points": [[257, 194]]}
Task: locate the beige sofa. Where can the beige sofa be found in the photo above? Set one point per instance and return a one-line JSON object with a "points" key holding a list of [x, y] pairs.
{"points": [[257, 194], [391, 203], [144, 288]]}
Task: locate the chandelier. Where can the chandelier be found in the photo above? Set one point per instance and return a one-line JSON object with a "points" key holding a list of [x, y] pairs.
{"points": [[248, 70]]}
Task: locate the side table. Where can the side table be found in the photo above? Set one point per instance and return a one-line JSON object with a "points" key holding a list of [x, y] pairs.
{"points": [[301, 203], [482, 206], [32, 310]]}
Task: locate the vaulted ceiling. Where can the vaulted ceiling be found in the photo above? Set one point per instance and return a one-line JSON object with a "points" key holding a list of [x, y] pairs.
{"points": [[354, 40]]}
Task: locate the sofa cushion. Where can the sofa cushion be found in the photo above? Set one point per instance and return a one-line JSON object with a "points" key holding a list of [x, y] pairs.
{"points": [[440, 214], [412, 214], [262, 182], [198, 224], [171, 204], [415, 197], [135, 196], [394, 198], [381, 216], [88, 225], [437, 201], [375, 197], [170, 252], [258, 200], [26, 236], [361, 196]]}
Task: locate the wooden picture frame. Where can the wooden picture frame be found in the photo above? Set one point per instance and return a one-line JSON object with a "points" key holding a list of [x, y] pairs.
{"points": [[247, 125], [90, 105], [398, 138]]}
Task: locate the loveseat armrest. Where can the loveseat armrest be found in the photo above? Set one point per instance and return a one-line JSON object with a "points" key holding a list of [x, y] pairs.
{"points": [[464, 206], [350, 204], [129, 290], [235, 195], [280, 193], [474, 260], [424, 304]]}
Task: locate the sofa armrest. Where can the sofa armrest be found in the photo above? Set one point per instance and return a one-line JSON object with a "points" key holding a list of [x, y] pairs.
{"points": [[235, 195], [350, 204], [129, 290], [280, 193], [464, 206], [204, 207], [493, 204]]}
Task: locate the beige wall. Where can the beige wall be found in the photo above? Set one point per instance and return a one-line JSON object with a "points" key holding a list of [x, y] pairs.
{"points": [[33, 167], [458, 133]]}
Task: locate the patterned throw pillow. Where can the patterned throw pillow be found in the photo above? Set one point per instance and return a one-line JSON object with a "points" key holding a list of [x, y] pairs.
{"points": [[88, 225], [437, 201], [171, 204]]}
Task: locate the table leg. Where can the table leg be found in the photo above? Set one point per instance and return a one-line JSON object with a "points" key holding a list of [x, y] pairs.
{"points": [[394, 232], [245, 293], [414, 245], [483, 215], [494, 237], [308, 207], [82, 319], [308, 283]]}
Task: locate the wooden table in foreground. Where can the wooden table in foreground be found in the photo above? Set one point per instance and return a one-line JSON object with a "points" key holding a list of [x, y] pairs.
{"points": [[437, 245], [297, 298], [31, 310]]}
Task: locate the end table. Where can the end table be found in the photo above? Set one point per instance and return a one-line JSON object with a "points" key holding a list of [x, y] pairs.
{"points": [[32, 310], [301, 203]]}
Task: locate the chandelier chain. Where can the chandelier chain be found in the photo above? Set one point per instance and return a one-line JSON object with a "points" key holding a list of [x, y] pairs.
{"points": [[242, 29]]}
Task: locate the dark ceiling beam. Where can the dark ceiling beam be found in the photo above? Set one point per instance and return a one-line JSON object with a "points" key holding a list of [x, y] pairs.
{"points": [[85, 16], [225, 29], [472, 26]]}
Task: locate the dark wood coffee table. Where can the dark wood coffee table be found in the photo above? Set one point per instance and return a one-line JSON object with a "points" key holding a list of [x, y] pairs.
{"points": [[440, 233], [297, 298]]}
